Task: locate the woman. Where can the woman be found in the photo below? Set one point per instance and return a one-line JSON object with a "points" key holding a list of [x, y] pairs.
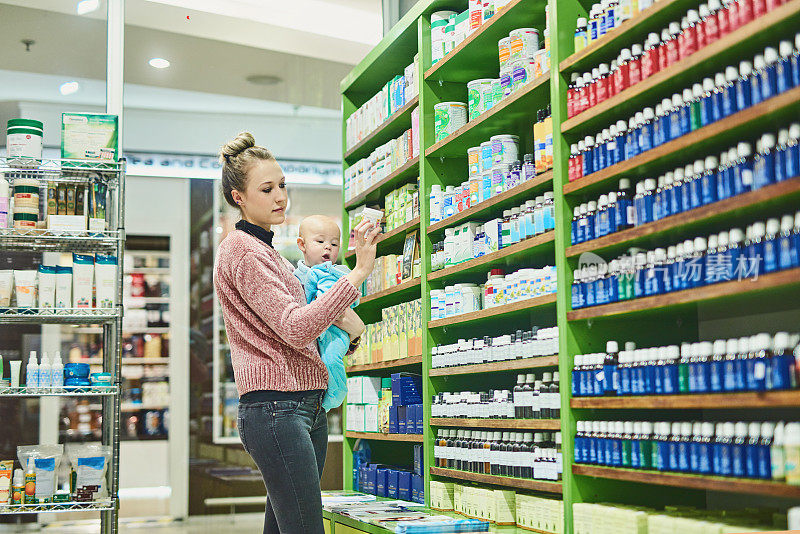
{"points": [[272, 332]]}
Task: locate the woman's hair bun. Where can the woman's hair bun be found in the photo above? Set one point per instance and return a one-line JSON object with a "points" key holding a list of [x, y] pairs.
{"points": [[233, 148]]}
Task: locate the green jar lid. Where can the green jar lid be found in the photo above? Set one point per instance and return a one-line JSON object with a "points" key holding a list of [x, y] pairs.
{"points": [[25, 123], [26, 217], [26, 189], [386, 383]]}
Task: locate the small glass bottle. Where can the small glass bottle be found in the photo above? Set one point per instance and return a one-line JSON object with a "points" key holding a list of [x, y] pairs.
{"points": [[651, 58]]}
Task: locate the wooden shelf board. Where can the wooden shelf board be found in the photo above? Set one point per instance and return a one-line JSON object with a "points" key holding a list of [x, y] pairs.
{"points": [[696, 137], [416, 438], [722, 401], [469, 61], [497, 311], [516, 424], [406, 169], [736, 37], [615, 37], [712, 483], [508, 252], [379, 366], [509, 482], [409, 284], [493, 367], [724, 289], [447, 146], [717, 209], [486, 206], [369, 143], [389, 236]]}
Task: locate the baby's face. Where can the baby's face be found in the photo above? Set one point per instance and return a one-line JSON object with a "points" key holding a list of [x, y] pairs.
{"points": [[321, 242]]}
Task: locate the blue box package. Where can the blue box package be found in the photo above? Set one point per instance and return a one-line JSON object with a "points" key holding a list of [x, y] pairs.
{"points": [[404, 485], [417, 488], [418, 459], [372, 475], [402, 419], [380, 481], [411, 418], [406, 389], [393, 424], [420, 419], [392, 482]]}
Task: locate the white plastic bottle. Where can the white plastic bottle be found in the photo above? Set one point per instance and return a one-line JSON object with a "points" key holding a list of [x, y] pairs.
{"points": [[45, 374], [57, 381], [32, 373], [437, 200]]}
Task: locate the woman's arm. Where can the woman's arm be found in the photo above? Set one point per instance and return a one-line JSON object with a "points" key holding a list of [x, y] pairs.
{"points": [[298, 326]]}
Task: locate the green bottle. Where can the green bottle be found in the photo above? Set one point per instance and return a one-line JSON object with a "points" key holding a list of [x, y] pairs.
{"points": [[694, 107], [646, 444], [683, 368], [627, 443]]}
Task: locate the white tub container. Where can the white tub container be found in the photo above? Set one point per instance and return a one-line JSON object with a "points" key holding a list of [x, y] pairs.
{"points": [[477, 91], [505, 149], [524, 43], [24, 139], [448, 117]]}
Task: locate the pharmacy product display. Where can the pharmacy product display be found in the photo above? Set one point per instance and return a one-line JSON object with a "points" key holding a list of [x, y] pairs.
{"points": [[759, 450], [397, 336], [603, 18], [384, 160], [516, 346], [531, 398], [764, 248], [89, 283], [388, 272], [510, 454], [622, 519], [387, 481], [395, 94], [678, 41], [751, 363], [500, 289], [475, 239], [707, 101], [449, 28], [37, 480], [389, 405], [736, 171], [503, 507]]}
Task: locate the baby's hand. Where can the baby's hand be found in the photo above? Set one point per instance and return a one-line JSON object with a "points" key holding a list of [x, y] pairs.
{"points": [[351, 323]]}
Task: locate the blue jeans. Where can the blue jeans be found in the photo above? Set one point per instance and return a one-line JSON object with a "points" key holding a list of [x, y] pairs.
{"points": [[288, 441]]}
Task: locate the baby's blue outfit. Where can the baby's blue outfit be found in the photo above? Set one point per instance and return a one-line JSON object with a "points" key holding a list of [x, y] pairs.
{"points": [[334, 342]]}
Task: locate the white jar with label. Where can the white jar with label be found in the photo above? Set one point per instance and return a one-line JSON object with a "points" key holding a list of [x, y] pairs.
{"points": [[449, 300], [471, 297], [505, 149], [24, 139]]}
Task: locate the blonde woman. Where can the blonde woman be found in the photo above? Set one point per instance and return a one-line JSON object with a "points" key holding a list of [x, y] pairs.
{"points": [[273, 333]]}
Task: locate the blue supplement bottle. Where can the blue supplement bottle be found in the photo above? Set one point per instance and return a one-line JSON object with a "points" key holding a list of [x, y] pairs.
{"points": [[706, 102], [764, 162], [708, 182], [729, 365], [783, 69], [717, 366], [719, 89], [675, 117], [601, 151], [588, 164], [612, 213], [744, 90], [684, 445], [636, 448], [694, 447], [781, 153], [740, 365], [781, 364], [681, 270], [658, 136], [577, 391], [676, 191], [697, 262], [711, 261], [705, 449], [622, 133], [624, 373], [738, 450], [668, 269], [686, 187], [648, 200], [694, 106], [743, 169], [591, 208], [647, 132], [759, 362], [771, 245], [769, 75], [725, 176], [611, 385], [632, 139], [755, 79], [729, 100], [646, 448], [592, 430], [665, 122], [616, 430], [788, 256], [795, 61], [670, 370], [673, 463], [683, 368], [754, 251], [752, 450], [724, 446], [734, 252], [576, 217], [764, 450], [626, 444], [702, 372], [661, 449], [696, 185]]}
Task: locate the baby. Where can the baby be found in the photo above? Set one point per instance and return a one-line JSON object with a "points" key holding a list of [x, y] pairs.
{"points": [[318, 240]]}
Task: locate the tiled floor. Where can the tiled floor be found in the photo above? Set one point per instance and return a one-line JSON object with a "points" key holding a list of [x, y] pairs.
{"points": [[220, 524]]}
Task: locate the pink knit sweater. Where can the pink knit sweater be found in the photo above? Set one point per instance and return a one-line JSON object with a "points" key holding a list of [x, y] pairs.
{"points": [[271, 329]]}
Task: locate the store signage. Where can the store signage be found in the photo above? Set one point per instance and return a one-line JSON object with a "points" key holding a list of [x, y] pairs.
{"points": [[208, 167]]}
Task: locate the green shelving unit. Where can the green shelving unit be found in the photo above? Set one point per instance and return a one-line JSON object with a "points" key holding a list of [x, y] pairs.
{"points": [[665, 319]]}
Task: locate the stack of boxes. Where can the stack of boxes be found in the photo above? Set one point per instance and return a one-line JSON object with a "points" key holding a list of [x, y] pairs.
{"points": [[363, 397], [502, 507], [406, 411], [393, 96], [397, 336], [394, 483], [367, 398], [401, 205]]}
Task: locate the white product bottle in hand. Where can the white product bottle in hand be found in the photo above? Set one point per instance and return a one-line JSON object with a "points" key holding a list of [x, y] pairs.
{"points": [[45, 374], [57, 381], [32, 373]]}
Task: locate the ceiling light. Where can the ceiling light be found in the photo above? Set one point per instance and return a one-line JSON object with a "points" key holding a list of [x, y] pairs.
{"points": [[87, 6], [159, 63], [69, 88], [263, 79]]}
